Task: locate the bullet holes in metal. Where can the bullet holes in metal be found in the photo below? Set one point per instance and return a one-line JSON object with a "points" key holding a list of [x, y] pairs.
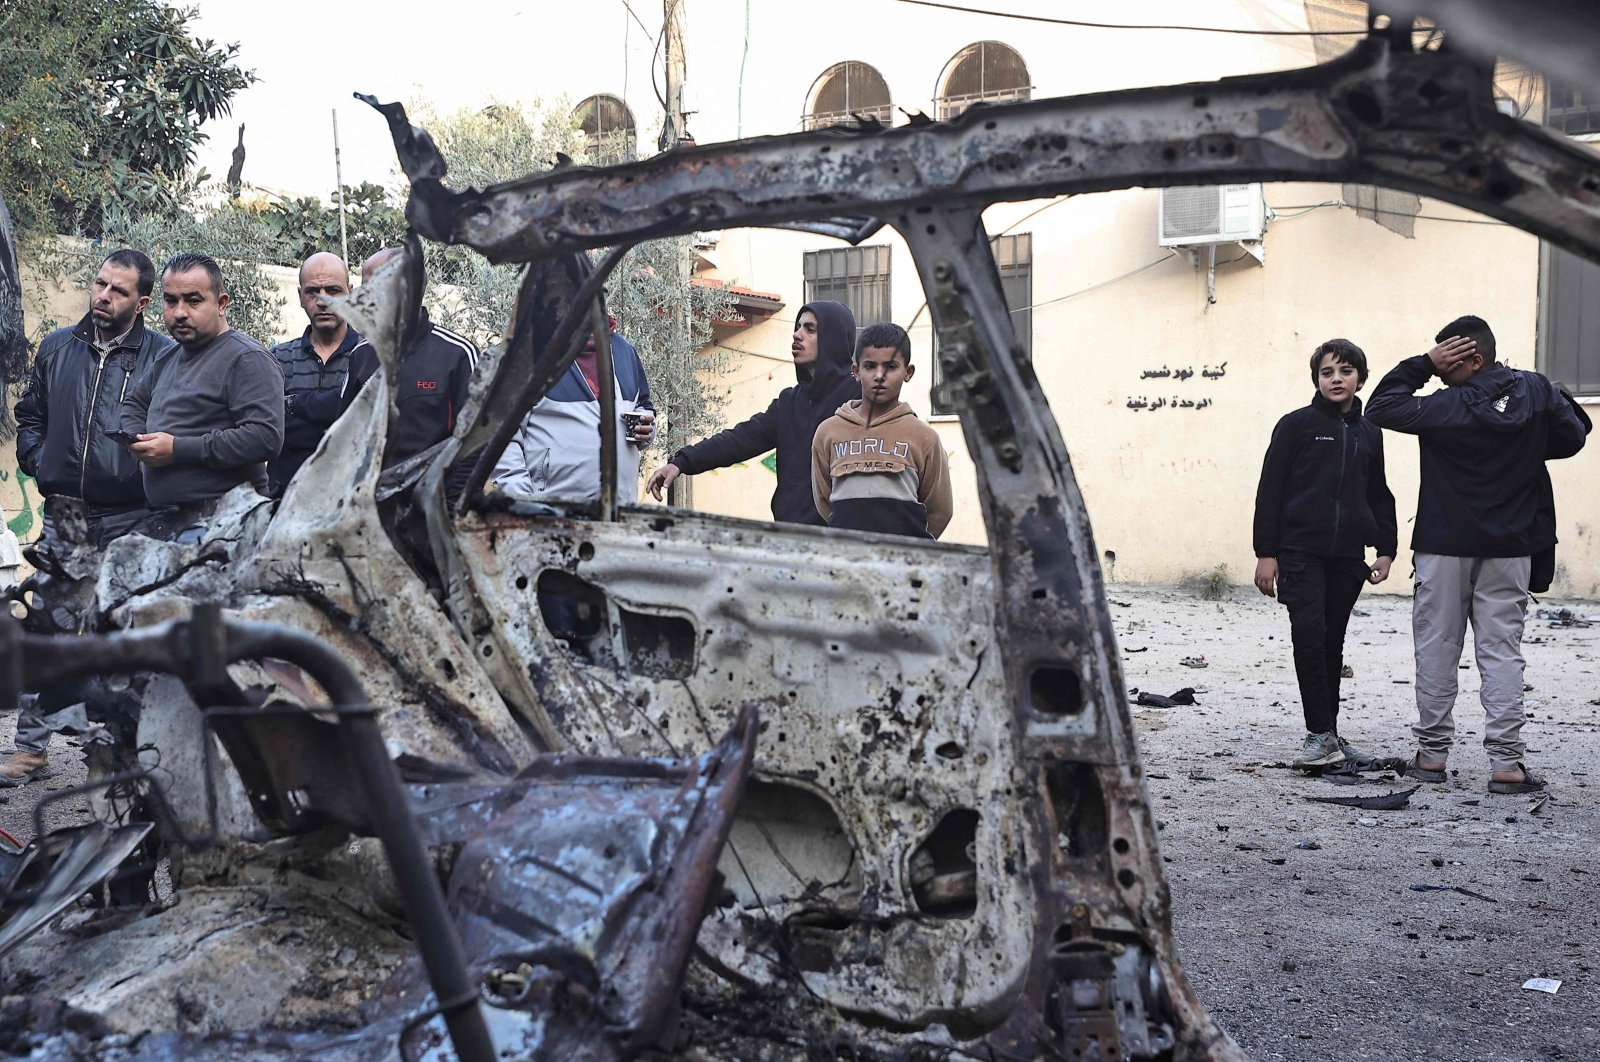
{"points": [[943, 869], [1055, 691]]}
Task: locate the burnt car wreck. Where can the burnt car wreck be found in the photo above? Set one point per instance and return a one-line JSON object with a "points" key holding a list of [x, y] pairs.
{"points": [[739, 808]]}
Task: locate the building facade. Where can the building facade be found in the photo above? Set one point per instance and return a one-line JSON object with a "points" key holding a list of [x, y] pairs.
{"points": [[1166, 386]]}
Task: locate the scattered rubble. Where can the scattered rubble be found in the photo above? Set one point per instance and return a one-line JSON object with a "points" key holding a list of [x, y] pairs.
{"points": [[946, 846]]}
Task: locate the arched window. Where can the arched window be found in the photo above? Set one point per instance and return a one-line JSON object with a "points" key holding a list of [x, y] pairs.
{"points": [[846, 90], [986, 72], [607, 127]]}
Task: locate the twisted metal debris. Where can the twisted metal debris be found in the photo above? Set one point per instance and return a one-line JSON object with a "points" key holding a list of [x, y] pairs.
{"points": [[944, 849]]}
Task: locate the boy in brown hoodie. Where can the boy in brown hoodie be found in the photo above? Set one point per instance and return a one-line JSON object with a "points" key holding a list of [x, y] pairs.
{"points": [[875, 466]]}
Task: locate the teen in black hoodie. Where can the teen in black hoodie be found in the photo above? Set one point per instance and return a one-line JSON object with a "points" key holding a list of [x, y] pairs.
{"points": [[1323, 499], [791, 421]]}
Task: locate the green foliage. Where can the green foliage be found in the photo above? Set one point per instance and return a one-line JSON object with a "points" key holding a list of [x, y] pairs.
{"points": [[241, 246], [669, 320], [657, 308], [101, 103], [236, 238], [1214, 584], [299, 228], [483, 146]]}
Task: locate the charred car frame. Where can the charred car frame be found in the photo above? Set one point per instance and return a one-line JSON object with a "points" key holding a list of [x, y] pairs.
{"points": [[935, 842]]}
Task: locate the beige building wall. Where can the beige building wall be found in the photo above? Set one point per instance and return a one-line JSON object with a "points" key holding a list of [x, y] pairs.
{"points": [[1169, 491]]}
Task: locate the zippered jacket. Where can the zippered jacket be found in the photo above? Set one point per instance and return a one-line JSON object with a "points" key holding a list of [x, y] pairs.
{"points": [[305, 417], [1483, 443], [555, 455], [1322, 487], [430, 387], [73, 395], [790, 423]]}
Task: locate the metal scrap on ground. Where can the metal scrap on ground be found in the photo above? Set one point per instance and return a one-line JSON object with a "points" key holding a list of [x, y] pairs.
{"points": [[937, 838]]}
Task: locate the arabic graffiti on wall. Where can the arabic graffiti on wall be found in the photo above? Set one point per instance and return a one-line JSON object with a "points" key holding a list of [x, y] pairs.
{"points": [[1142, 402]]}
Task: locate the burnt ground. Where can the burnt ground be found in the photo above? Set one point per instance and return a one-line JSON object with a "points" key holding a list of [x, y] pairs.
{"points": [[1325, 952]]}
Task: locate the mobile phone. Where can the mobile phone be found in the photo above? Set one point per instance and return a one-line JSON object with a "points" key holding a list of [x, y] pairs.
{"points": [[118, 435]]}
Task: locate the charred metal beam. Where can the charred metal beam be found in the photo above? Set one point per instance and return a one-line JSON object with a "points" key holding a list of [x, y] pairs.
{"points": [[546, 334], [1073, 728], [197, 650], [606, 375], [1424, 122], [1556, 37]]}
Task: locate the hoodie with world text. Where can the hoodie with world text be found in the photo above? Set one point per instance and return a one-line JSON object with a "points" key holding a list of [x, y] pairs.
{"points": [[888, 473]]}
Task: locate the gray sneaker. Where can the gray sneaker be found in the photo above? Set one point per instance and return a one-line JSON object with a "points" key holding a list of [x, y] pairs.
{"points": [[1320, 750], [1358, 756]]}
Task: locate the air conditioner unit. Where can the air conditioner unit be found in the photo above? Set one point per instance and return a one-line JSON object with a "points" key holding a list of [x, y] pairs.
{"points": [[1212, 213]]}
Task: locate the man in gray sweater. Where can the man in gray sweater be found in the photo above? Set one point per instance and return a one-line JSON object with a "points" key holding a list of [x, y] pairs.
{"points": [[209, 415]]}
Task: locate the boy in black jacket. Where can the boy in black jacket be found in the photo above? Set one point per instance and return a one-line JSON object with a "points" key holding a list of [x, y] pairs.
{"points": [[1321, 502]]}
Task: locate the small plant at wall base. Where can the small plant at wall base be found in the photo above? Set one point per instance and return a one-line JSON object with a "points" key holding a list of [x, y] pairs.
{"points": [[1211, 585]]}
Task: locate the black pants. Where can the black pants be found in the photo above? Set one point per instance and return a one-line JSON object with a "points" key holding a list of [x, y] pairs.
{"points": [[1319, 593]]}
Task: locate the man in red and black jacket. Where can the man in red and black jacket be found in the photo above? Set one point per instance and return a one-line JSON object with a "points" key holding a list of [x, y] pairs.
{"points": [[432, 380]]}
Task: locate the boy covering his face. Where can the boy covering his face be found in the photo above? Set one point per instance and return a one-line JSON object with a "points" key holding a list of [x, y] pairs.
{"points": [[875, 466]]}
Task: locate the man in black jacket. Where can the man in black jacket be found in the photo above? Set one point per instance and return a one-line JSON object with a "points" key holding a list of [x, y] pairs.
{"points": [[314, 366], [1484, 439], [1323, 499], [823, 346], [75, 393]]}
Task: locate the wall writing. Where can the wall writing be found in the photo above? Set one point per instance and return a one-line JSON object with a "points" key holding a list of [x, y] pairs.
{"points": [[1143, 403]]}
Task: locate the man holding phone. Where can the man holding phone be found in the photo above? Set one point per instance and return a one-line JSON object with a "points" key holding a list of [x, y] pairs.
{"points": [[75, 392], [555, 456], [209, 416]]}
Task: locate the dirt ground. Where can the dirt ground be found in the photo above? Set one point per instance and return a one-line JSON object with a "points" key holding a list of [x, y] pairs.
{"points": [[1296, 920]]}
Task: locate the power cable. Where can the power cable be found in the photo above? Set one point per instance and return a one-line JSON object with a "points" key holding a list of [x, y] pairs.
{"points": [[1105, 283], [636, 17], [1127, 26], [654, 53], [738, 129], [1393, 213]]}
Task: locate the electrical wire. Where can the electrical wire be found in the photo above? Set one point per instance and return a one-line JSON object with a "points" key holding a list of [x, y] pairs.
{"points": [[1394, 213], [1302, 211], [1169, 256], [636, 17], [738, 129], [654, 53], [1127, 26]]}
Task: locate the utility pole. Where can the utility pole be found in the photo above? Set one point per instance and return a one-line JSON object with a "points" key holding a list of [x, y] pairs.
{"points": [[338, 182], [674, 133], [675, 130]]}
